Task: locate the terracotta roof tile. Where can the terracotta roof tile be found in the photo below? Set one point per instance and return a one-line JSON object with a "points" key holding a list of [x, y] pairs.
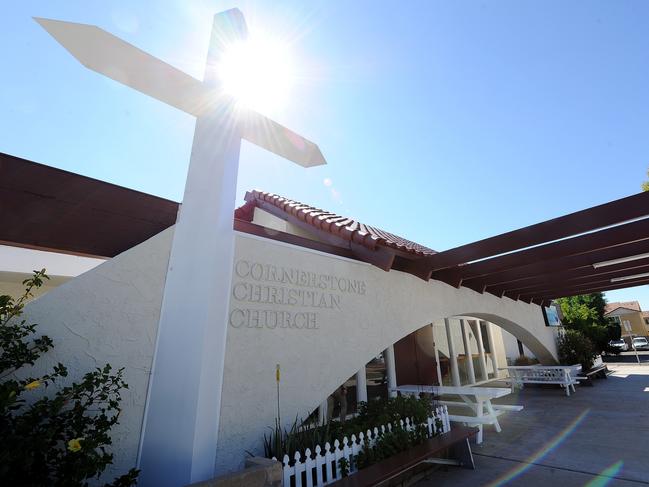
{"points": [[338, 225]]}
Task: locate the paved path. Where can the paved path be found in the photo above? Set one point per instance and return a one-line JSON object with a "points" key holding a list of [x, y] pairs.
{"points": [[598, 436]]}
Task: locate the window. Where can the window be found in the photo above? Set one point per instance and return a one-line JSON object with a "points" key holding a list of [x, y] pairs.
{"points": [[614, 320]]}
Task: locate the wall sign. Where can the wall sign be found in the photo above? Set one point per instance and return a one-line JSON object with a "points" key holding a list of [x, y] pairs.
{"points": [[287, 297]]}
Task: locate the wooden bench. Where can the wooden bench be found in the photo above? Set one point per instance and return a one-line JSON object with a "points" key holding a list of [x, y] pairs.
{"points": [[600, 371], [455, 441]]}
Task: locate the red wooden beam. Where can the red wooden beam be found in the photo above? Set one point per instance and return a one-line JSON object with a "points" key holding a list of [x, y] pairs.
{"points": [[47, 208], [583, 244], [272, 234], [594, 218], [583, 274], [587, 289], [582, 281], [564, 264]]}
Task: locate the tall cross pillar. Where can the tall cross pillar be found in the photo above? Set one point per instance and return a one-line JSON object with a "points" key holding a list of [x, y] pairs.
{"points": [[181, 420]]}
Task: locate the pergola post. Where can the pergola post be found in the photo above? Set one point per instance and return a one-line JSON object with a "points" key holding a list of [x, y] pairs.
{"points": [[494, 358], [361, 386], [322, 412], [467, 351], [455, 372], [388, 356], [437, 366], [481, 359]]}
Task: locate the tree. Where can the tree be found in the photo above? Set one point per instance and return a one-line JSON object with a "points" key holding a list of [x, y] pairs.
{"points": [[585, 313], [576, 348], [645, 184], [59, 440]]}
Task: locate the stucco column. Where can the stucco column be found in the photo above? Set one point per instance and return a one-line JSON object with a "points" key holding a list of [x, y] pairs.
{"points": [[322, 412], [481, 359], [492, 348], [388, 356], [467, 351], [361, 386], [455, 371]]}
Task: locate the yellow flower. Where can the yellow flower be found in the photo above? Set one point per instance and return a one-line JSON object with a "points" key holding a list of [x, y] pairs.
{"points": [[33, 385], [74, 445]]}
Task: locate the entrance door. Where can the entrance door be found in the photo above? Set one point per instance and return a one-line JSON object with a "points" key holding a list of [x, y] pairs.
{"points": [[414, 358]]}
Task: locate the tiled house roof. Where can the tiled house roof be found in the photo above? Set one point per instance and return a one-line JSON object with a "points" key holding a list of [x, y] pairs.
{"points": [[331, 223], [630, 305]]}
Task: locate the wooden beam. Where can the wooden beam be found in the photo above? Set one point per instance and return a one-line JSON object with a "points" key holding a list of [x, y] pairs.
{"points": [[272, 234], [589, 275], [572, 291], [562, 264], [615, 212], [610, 237]]}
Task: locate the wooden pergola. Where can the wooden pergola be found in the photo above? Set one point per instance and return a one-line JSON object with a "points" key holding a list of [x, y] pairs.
{"points": [[598, 249]]}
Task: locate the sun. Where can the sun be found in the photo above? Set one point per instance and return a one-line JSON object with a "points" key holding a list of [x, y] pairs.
{"points": [[258, 73]]}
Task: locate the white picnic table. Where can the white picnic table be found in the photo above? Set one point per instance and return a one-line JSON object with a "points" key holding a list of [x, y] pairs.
{"points": [[563, 375], [484, 411]]}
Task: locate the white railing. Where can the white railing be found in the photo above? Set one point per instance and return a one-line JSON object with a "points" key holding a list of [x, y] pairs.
{"points": [[322, 466]]}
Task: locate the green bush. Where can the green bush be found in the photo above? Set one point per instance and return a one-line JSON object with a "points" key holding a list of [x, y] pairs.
{"points": [[576, 348], [524, 360], [51, 441], [375, 413], [390, 443]]}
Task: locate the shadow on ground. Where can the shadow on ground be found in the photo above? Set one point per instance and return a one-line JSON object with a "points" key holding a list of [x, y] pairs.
{"points": [[598, 436]]}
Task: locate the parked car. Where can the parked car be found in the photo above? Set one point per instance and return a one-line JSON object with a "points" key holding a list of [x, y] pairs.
{"points": [[618, 345], [640, 343]]}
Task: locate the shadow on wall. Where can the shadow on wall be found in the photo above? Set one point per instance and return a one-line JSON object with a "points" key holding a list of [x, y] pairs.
{"points": [[416, 363]]}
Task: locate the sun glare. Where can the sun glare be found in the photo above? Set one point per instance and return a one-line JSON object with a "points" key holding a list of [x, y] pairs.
{"points": [[258, 73]]}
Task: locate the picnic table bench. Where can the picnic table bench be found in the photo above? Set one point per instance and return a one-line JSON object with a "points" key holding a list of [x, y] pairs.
{"points": [[456, 442], [563, 375], [599, 370], [477, 399]]}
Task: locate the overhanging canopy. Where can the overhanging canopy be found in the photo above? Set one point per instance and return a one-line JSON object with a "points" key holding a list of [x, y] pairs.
{"points": [[50, 209], [598, 249]]}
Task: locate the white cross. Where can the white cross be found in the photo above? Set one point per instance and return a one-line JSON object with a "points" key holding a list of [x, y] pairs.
{"points": [[179, 437]]}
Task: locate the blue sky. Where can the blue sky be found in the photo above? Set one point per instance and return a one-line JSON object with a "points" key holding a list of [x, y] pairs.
{"points": [[444, 122]]}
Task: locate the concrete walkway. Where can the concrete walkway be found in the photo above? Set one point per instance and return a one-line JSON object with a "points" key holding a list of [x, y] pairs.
{"points": [[598, 436]]}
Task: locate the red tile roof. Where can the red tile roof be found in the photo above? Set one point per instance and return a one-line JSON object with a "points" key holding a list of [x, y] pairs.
{"points": [[631, 305], [337, 225]]}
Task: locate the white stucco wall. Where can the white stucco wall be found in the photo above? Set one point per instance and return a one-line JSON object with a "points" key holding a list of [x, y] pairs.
{"points": [[110, 314], [315, 360], [511, 347]]}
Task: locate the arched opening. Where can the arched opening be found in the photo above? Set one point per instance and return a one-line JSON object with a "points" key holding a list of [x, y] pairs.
{"points": [[465, 349]]}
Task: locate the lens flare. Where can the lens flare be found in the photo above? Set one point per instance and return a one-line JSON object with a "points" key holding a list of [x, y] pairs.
{"points": [[528, 463], [606, 475]]}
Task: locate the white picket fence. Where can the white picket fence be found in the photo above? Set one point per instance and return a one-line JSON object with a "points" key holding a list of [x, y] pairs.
{"points": [[322, 467]]}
